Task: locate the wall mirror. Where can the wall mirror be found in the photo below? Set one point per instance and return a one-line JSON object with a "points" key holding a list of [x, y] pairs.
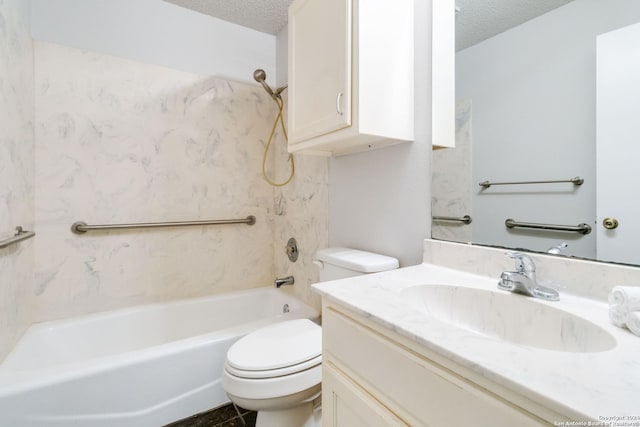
{"points": [[545, 91]]}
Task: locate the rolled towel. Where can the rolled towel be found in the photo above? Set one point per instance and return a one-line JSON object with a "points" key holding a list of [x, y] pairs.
{"points": [[633, 322], [618, 315], [627, 297]]}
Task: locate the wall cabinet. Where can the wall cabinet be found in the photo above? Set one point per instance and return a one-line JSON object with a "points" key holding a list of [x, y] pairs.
{"points": [[350, 69], [370, 379]]}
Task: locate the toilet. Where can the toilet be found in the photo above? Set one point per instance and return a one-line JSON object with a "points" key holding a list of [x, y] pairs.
{"points": [[277, 370]]}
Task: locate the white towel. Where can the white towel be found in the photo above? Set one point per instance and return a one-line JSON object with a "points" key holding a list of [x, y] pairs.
{"points": [[626, 297], [618, 315], [633, 322]]}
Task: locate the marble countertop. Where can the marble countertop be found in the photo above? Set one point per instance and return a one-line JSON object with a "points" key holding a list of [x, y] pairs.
{"points": [[581, 386]]}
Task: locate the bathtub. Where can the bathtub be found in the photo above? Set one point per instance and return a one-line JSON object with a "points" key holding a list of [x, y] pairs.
{"points": [[143, 366]]}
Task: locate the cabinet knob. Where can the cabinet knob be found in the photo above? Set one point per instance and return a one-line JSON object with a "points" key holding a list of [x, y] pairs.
{"points": [[338, 109]]}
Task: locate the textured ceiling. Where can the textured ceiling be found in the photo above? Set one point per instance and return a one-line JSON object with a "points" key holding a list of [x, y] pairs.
{"points": [[477, 20], [268, 16]]}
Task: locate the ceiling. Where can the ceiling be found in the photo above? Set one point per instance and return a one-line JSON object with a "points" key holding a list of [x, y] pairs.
{"points": [[267, 16], [477, 20]]}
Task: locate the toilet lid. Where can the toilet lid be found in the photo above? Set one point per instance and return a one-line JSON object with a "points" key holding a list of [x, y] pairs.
{"points": [[277, 346]]}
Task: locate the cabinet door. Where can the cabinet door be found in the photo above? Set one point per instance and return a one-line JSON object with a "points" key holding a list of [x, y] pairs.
{"points": [[319, 67], [345, 404], [416, 389]]}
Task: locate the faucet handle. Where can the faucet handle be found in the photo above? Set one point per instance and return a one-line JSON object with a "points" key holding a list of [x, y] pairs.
{"points": [[524, 263]]}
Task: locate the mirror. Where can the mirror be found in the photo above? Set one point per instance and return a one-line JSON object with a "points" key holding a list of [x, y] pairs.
{"points": [[549, 99]]}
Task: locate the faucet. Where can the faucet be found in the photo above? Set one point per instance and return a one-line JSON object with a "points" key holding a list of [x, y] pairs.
{"points": [[284, 281], [523, 280]]}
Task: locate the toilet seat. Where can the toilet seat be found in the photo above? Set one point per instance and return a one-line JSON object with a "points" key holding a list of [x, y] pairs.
{"points": [[272, 373], [293, 343], [278, 360], [274, 387]]}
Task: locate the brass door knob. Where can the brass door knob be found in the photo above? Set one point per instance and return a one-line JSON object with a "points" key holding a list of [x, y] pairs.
{"points": [[610, 223]]}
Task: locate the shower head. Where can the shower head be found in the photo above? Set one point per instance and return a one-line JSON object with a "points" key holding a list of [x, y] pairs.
{"points": [[260, 76]]}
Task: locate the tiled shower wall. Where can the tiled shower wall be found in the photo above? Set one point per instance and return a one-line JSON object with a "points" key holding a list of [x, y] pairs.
{"points": [[301, 211], [120, 141], [16, 170]]}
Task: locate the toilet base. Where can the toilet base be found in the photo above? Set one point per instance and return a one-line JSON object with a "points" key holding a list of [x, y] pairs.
{"points": [[304, 415], [300, 409]]}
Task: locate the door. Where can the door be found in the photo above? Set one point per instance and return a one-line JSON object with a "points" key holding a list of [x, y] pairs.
{"points": [[319, 67], [618, 144]]}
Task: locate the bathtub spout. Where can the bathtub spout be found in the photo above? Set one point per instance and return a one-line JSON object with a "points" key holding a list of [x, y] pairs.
{"points": [[289, 280]]}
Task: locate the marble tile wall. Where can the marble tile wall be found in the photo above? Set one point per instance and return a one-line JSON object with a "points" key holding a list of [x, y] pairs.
{"points": [[122, 141], [16, 170], [451, 181], [301, 211]]}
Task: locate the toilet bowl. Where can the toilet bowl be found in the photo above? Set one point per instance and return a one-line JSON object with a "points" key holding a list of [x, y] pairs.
{"points": [[277, 370]]}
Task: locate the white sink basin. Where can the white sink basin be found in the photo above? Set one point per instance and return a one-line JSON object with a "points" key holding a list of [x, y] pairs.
{"points": [[511, 318]]}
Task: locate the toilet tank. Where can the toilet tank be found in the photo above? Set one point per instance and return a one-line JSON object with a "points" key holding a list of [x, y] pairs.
{"points": [[340, 263]]}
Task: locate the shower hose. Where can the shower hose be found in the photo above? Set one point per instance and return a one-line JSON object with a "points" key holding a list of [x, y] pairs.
{"points": [[280, 119]]}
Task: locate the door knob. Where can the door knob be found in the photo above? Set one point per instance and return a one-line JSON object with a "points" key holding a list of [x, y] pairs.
{"points": [[610, 223]]}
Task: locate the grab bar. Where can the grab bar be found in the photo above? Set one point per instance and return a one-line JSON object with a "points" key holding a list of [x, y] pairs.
{"points": [[576, 181], [465, 219], [580, 228], [18, 237], [80, 227]]}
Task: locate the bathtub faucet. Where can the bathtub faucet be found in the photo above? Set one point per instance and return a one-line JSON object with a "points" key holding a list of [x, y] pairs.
{"points": [[283, 281]]}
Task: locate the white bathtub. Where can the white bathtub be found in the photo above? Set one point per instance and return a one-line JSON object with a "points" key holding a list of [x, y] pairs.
{"points": [[142, 366]]}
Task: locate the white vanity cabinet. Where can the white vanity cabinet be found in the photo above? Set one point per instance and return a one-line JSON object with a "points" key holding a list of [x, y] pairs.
{"points": [[377, 378], [350, 71]]}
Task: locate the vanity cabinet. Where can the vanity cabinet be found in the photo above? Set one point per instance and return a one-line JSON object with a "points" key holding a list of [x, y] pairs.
{"points": [[377, 379], [350, 71]]}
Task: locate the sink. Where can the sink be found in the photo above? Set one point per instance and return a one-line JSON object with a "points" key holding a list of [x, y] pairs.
{"points": [[509, 317]]}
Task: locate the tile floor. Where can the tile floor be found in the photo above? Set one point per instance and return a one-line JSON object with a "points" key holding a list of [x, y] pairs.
{"points": [[225, 416]]}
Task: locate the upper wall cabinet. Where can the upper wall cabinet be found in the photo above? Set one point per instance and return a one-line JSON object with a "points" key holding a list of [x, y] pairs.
{"points": [[350, 75]]}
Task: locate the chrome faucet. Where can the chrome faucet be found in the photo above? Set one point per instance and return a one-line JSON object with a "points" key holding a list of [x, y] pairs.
{"points": [[284, 281], [523, 280]]}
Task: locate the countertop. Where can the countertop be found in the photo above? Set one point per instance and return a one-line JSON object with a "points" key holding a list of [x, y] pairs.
{"points": [[581, 386]]}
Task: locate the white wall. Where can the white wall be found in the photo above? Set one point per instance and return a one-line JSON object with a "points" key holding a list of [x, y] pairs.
{"points": [[156, 32], [533, 94], [380, 200], [282, 47]]}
